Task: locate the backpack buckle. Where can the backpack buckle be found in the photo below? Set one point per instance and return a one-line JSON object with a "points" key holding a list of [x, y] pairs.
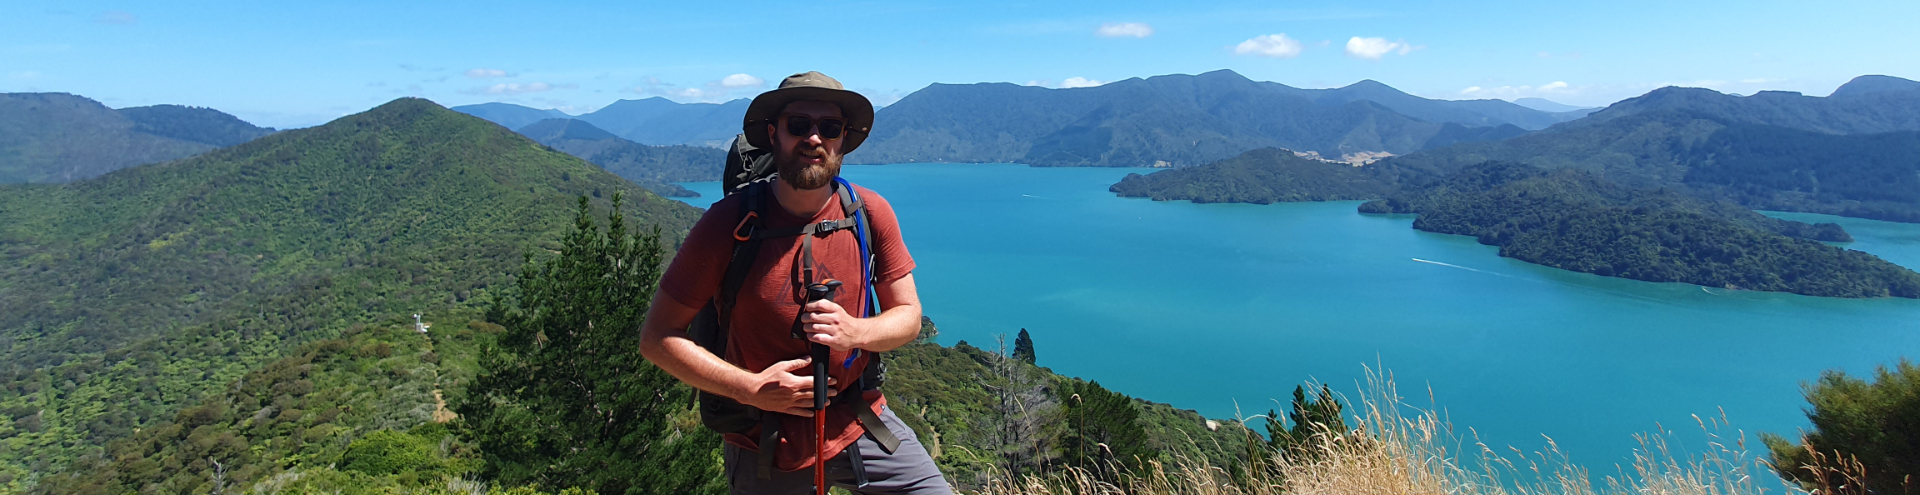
{"points": [[747, 224], [827, 226]]}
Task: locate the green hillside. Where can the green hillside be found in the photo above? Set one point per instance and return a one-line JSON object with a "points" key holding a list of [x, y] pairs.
{"points": [[58, 137], [125, 297]]}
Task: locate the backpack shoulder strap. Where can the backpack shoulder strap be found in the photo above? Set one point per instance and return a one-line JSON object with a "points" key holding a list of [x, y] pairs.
{"points": [[746, 248]]}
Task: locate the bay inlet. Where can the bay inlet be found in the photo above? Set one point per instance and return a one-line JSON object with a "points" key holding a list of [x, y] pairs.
{"points": [[1224, 308]]}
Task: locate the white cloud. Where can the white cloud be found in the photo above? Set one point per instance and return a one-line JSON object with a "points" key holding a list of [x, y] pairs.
{"points": [[1080, 82], [1272, 45], [486, 73], [119, 17], [1556, 88], [1374, 48], [1040, 82], [25, 75], [714, 91], [1134, 29], [517, 88], [742, 81]]}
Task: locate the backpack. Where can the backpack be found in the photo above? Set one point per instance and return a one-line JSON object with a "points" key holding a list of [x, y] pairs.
{"points": [[750, 171]]}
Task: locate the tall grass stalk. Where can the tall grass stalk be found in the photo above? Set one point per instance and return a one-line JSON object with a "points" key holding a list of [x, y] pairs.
{"points": [[1401, 449]]}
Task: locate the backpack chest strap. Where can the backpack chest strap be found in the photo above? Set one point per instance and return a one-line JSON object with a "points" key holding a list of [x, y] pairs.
{"points": [[817, 228]]}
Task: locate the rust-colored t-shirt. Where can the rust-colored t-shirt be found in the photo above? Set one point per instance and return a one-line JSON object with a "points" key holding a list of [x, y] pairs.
{"points": [[773, 293]]}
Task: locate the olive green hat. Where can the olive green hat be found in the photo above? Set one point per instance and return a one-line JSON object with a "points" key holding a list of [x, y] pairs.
{"points": [[809, 86]]}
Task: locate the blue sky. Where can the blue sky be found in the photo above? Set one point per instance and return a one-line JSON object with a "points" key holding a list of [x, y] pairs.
{"points": [[292, 64]]}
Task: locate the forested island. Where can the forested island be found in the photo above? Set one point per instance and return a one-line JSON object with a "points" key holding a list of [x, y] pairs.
{"points": [[1566, 218], [1572, 220]]}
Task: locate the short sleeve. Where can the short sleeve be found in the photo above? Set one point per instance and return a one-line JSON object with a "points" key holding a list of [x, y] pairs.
{"points": [[891, 259], [695, 274]]}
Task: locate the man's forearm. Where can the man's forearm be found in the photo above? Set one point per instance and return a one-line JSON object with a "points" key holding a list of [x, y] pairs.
{"points": [[672, 350], [700, 369], [895, 327]]}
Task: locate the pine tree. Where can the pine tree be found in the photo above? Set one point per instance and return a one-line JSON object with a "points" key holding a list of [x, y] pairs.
{"points": [[1023, 347], [1104, 434], [564, 398], [1311, 420]]}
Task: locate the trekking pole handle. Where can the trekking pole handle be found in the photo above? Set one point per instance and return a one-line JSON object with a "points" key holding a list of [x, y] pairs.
{"points": [[815, 292], [821, 353]]}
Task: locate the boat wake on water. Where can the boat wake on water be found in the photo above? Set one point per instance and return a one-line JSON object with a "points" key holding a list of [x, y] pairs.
{"points": [[1039, 197], [1450, 265]]}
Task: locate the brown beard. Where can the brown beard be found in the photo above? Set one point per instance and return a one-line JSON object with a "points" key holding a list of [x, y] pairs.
{"points": [[803, 176]]}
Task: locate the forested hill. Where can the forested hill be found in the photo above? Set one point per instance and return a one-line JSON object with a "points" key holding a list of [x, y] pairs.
{"points": [[1867, 104], [1265, 176], [655, 167], [1573, 220], [126, 296], [1174, 120], [1715, 156], [196, 124], [58, 137]]}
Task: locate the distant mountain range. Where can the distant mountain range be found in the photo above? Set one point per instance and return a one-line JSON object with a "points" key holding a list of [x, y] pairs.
{"points": [[509, 115], [1172, 121], [1855, 154], [1867, 104], [653, 167], [1176, 121], [58, 137], [653, 121], [1550, 106]]}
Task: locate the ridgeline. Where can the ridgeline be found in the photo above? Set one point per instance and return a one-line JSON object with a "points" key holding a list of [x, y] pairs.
{"points": [[58, 137]]}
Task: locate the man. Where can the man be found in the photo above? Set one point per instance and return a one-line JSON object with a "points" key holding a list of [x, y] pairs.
{"points": [[809, 122]]}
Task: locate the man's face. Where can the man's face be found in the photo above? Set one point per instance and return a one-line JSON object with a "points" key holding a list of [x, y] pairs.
{"points": [[809, 161]]}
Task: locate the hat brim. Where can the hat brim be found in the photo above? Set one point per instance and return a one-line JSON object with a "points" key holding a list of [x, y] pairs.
{"points": [[766, 107]]}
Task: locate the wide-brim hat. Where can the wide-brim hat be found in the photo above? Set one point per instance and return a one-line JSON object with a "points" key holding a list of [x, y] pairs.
{"points": [[809, 86]]}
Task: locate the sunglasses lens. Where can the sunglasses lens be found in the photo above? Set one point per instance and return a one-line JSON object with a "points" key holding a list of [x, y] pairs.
{"points": [[830, 129], [799, 126]]}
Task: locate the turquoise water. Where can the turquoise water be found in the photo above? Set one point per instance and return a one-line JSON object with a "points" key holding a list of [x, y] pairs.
{"points": [[1225, 307]]}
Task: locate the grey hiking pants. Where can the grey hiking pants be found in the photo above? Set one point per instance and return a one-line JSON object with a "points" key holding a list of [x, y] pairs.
{"points": [[908, 470]]}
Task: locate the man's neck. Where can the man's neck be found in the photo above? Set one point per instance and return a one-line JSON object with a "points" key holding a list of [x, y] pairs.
{"points": [[804, 203]]}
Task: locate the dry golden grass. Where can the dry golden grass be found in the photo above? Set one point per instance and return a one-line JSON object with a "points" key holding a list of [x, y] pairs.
{"points": [[1400, 449]]}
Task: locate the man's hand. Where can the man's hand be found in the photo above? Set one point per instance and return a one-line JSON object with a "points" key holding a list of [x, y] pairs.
{"points": [[828, 324], [777, 389]]}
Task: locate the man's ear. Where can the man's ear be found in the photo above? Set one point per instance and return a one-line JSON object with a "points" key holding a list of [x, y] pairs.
{"points": [[772, 136]]}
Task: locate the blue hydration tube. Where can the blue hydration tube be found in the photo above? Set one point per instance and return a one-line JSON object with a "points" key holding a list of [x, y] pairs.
{"points": [[871, 298]]}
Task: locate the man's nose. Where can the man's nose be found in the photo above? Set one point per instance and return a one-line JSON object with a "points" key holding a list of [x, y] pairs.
{"points": [[813, 138]]}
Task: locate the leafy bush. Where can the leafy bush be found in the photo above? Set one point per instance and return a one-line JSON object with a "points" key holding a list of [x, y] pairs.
{"points": [[1869, 431], [387, 452]]}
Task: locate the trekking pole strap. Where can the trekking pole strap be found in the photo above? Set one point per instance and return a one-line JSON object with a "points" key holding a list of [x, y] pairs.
{"points": [[881, 434]]}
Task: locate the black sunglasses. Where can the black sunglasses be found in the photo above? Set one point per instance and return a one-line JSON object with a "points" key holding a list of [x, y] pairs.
{"points": [[803, 126]]}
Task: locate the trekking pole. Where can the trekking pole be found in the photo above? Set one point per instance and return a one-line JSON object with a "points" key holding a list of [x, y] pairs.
{"points": [[821, 354]]}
